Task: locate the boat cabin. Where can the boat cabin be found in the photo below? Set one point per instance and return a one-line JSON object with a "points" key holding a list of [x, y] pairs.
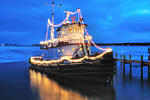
{"points": [[70, 42], [71, 33]]}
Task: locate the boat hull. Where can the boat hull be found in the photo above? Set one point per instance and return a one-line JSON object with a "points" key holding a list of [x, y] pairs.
{"points": [[88, 71]]}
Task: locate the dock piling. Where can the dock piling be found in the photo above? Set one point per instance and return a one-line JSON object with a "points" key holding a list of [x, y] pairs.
{"points": [[130, 66], [141, 58], [130, 56], [148, 71], [148, 67], [124, 57], [148, 58], [142, 63], [141, 66]]}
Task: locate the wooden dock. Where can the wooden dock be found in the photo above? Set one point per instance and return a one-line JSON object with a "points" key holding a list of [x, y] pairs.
{"points": [[141, 61], [130, 61]]}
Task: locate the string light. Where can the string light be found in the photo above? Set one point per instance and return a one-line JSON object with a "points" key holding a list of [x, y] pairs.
{"points": [[49, 22], [64, 21], [80, 49], [47, 32], [88, 37], [58, 50], [37, 61], [52, 26], [94, 43], [73, 49]]}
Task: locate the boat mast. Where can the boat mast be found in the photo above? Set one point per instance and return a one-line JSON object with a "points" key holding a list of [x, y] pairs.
{"points": [[52, 28], [52, 11]]}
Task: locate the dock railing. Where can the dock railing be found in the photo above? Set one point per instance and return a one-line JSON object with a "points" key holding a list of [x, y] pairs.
{"points": [[142, 63]]}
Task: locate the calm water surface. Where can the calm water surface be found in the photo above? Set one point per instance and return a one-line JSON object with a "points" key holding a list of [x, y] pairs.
{"points": [[17, 82]]}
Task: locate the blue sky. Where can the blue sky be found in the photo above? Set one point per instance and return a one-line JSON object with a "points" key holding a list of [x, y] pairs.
{"points": [[109, 21]]}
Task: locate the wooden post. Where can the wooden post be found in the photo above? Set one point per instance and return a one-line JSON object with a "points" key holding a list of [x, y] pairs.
{"points": [[141, 59], [148, 58], [124, 71], [148, 71], [124, 57], [130, 56], [130, 66], [148, 67], [130, 70], [142, 67]]}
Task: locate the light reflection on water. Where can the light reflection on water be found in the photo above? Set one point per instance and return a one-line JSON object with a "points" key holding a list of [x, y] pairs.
{"points": [[49, 89], [130, 85]]}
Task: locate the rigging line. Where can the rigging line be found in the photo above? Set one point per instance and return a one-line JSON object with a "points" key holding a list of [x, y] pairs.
{"points": [[60, 23], [91, 39], [94, 43], [71, 13], [47, 32], [68, 15]]}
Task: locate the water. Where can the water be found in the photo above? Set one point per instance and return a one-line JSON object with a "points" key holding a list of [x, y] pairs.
{"points": [[17, 82], [12, 54], [135, 51]]}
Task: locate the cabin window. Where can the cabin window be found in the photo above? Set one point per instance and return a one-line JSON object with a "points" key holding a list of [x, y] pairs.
{"points": [[70, 29], [75, 29], [79, 29], [73, 49], [80, 49], [63, 32], [66, 30]]}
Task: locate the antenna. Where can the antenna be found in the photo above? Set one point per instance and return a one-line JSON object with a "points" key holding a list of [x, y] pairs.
{"points": [[52, 12], [52, 28]]}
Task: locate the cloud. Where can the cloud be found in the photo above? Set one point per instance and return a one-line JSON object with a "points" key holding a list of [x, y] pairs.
{"points": [[137, 24], [108, 20]]}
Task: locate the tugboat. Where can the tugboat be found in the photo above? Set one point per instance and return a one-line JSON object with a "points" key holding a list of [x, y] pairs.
{"points": [[70, 53]]}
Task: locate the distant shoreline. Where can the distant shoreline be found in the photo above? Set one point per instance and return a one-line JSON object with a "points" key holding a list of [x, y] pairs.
{"points": [[99, 44], [124, 44]]}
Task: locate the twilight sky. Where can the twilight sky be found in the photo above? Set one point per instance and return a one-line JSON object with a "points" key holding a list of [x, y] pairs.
{"points": [[109, 21]]}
